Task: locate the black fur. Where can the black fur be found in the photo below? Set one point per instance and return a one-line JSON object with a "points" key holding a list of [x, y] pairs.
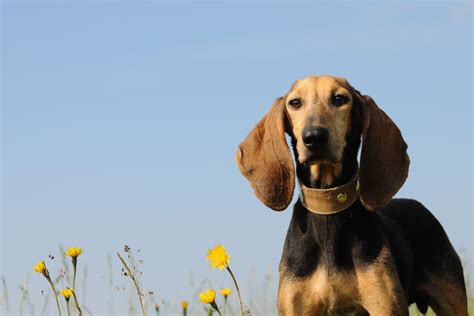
{"points": [[334, 241], [430, 247]]}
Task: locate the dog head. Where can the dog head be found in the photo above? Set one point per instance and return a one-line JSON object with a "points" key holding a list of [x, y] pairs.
{"points": [[322, 114]]}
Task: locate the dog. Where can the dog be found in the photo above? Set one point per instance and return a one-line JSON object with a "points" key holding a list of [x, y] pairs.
{"points": [[350, 248]]}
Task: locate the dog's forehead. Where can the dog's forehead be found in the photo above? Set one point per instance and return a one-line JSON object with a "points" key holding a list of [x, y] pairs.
{"points": [[318, 85]]}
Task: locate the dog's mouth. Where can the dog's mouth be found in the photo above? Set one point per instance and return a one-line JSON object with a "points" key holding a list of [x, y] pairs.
{"points": [[320, 158], [326, 154]]}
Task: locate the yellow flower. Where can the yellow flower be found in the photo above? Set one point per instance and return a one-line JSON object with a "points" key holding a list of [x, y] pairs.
{"points": [[225, 292], [208, 296], [73, 252], [184, 304], [218, 257], [40, 267], [66, 292]]}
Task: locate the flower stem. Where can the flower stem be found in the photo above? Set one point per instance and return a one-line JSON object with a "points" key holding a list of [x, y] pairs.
{"points": [[77, 303], [74, 265], [238, 291], [46, 275], [214, 305], [135, 282], [67, 306]]}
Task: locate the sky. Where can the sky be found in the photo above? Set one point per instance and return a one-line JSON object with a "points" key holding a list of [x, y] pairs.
{"points": [[120, 122]]}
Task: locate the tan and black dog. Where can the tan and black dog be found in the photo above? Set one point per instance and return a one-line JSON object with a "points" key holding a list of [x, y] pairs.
{"points": [[350, 249]]}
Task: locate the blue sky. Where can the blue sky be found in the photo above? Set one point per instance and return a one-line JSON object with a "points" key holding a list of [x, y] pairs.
{"points": [[120, 122]]}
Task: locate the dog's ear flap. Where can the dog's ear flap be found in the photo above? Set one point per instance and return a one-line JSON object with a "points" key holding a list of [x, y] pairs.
{"points": [[264, 158], [384, 159]]}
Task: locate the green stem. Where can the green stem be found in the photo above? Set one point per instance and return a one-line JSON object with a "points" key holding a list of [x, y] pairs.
{"points": [[74, 265], [214, 305], [135, 282], [46, 275], [238, 291], [67, 306], [77, 303]]}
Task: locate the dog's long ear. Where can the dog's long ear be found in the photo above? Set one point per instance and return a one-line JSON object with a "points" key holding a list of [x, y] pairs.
{"points": [[265, 159], [384, 159]]}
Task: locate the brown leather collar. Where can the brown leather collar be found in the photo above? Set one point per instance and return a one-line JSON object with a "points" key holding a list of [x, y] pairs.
{"points": [[332, 200]]}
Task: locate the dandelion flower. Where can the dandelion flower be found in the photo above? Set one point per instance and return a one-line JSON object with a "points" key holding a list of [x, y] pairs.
{"points": [[225, 292], [208, 297], [218, 257], [66, 293], [40, 267], [73, 252], [184, 306]]}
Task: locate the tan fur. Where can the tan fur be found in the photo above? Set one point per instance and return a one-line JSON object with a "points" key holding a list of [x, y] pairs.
{"points": [[373, 288], [322, 293], [326, 174], [380, 289], [315, 94]]}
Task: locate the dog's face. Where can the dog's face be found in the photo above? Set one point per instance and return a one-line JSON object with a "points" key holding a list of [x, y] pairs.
{"points": [[317, 113], [318, 109]]}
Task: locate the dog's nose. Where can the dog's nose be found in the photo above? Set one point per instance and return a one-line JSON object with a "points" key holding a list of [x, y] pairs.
{"points": [[313, 137]]}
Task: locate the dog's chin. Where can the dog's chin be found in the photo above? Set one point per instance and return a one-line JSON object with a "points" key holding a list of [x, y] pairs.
{"points": [[315, 159]]}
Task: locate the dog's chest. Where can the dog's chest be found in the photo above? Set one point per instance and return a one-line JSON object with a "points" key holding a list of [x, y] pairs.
{"points": [[333, 293]]}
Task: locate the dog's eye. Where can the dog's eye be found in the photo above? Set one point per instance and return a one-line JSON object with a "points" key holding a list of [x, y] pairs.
{"points": [[296, 103], [339, 99]]}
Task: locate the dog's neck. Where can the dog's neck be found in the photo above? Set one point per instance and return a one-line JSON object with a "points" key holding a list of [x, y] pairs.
{"points": [[325, 176], [328, 240]]}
